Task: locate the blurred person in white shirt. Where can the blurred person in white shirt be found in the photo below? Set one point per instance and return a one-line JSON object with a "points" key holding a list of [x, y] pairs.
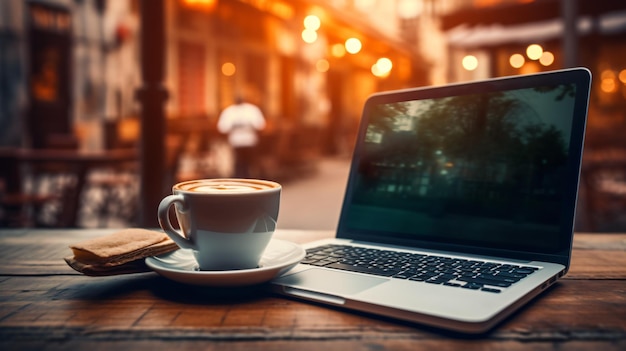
{"points": [[242, 121]]}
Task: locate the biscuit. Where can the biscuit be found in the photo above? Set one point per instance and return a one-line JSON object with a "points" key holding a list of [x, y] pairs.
{"points": [[118, 253]]}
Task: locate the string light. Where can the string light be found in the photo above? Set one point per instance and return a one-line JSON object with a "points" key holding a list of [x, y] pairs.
{"points": [[470, 62], [534, 51], [229, 69], [309, 36], [312, 22], [517, 60], [547, 58], [353, 45]]}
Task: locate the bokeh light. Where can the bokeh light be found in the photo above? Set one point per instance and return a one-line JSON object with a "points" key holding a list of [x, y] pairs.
{"points": [[547, 58], [338, 50], [607, 81], [622, 76], [322, 65], [534, 51], [376, 71], [470, 62], [382, 67], [228, 69], [353, 45], [309, 36], [312, 22], [517, 60], [384, 64]]}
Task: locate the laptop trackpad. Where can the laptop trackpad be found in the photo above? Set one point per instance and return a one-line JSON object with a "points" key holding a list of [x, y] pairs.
{"points": [[330, 282]]}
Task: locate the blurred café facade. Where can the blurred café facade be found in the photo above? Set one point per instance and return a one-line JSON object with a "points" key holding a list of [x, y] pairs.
{"points": [[70, 69], [73, 67]]}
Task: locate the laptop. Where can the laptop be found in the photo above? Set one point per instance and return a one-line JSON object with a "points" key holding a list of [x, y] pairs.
{"points": [[460, 202]]}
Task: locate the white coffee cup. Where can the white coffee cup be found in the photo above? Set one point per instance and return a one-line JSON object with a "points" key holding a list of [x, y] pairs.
{"points": [[226, 222]]}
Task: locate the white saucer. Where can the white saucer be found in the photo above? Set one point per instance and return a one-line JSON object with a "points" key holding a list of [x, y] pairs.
{"points": [[180, 265]]}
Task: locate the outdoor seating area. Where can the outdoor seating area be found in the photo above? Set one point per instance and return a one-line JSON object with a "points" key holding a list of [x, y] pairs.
{"points": [[313, 175], [47, 187], [67, 187]]}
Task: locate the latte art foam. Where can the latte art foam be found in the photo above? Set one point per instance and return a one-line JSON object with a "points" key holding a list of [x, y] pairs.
{"points": [[217, 186]]}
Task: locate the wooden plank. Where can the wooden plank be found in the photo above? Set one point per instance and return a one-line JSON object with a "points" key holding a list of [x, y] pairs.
{"points": [[44, 304], [145, 306], [405, 344], [41, 252], [596, 256]]}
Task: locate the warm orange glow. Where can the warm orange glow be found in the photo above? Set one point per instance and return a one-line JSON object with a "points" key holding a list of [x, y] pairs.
{"points": [[622, 76], [322, 65], [309, 36], [205, 5], [607, 74], [534, 51], [608, 85], [409, 8], [281, 9], [338, 50], [517, 60], [529, 68], [607, 81], [353, 45], [486, 3], [364, 5], [229, 69], [547, 58], [470, 62]]}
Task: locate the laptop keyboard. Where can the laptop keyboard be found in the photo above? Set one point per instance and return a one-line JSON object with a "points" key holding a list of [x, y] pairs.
{"points": [[463, 273]]}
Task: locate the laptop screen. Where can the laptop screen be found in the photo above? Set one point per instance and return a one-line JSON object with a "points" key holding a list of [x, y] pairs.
{"points": [[490, 165]]}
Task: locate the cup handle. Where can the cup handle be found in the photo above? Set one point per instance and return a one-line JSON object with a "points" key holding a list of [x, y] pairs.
{"points": [[166, 225]]}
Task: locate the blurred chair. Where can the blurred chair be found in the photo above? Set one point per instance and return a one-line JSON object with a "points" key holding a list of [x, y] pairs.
{"points": [[34, 194], [111, 193], [17, 207], [54, 180], [604, 181]]}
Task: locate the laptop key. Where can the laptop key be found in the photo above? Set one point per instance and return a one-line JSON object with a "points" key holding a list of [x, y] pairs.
{"points": [[472, 286], [503, 278], [524, 270], [467, 274], [484, 281], [323, 262], [511, 275], [402, 276], [491, 290], [363, 269]]}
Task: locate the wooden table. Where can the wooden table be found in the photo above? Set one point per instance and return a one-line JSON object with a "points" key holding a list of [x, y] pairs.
{"points": [[46, 305]]}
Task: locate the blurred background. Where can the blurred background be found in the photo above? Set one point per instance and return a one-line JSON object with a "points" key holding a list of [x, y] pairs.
{"points": [[104, 104]]}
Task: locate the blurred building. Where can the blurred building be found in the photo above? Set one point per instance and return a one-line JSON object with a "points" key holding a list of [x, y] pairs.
{"points": [[72, 66], [66, 67], [309, 65], [488, 38]]}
